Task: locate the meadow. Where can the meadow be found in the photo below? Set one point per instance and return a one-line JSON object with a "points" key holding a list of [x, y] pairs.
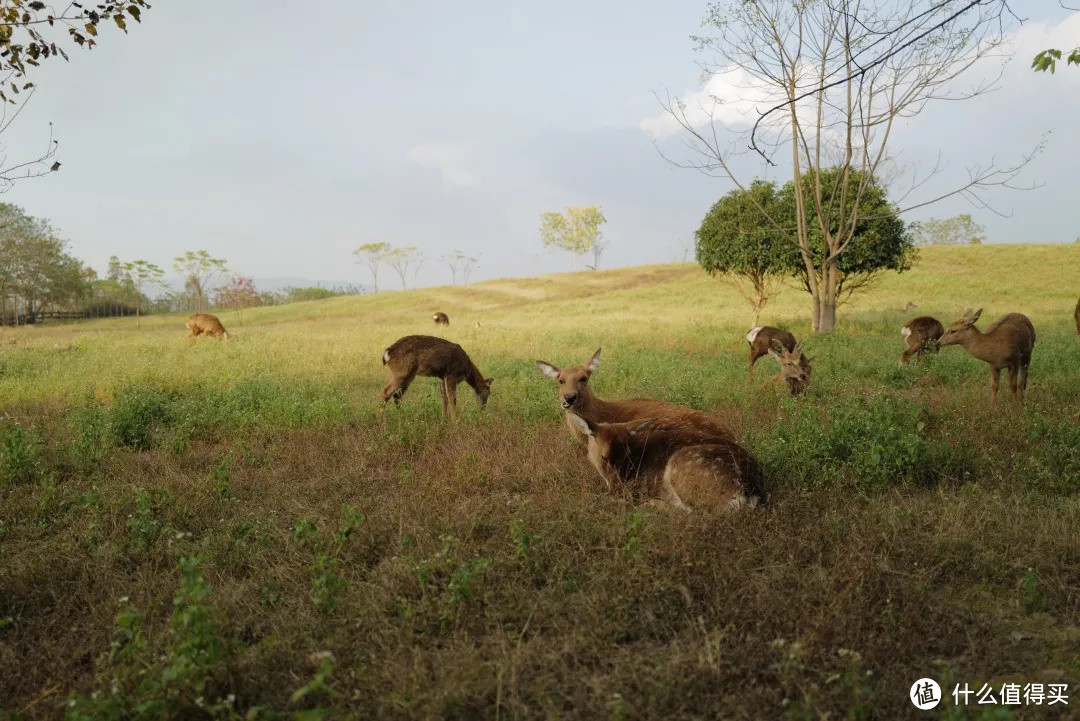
{"points": [[233, 531]]}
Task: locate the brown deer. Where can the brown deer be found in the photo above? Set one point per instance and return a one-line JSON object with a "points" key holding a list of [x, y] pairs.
{"points": [[427, 355], [921, 336], [576, 395], [763, 338], [1007, 343], [795, 367], [441, 319], [686, 469], [201, 323]]}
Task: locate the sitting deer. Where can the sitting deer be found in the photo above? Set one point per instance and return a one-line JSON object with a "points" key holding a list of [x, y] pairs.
{"points": [[1007, 343], [795, 367], [200, 323], [921, 336], [426, 355], [685, 468], [576, 395]]}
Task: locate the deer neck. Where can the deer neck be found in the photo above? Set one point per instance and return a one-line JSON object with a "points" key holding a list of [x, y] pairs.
{"points": [[980, 345], [592, 408], [473, 376]]}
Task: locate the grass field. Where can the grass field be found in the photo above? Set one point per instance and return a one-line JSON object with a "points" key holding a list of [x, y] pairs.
{"points": [[229, 530]]}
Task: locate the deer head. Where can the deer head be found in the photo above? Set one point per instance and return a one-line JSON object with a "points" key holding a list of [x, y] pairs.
{"points": [[608, 445], [794, 366], [572, 382], [483, 390], [961, 329]]}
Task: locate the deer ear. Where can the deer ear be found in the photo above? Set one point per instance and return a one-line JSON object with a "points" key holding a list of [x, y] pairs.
{"points": [[488, 380], [976, 315], [582, 425], [643, 426], [594, 361], [549, 370]]}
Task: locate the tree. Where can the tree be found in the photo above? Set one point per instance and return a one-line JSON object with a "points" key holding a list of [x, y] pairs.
{"points": [[961, 230], [142, 272], [575, 232], [878, 241], [25, 44], [459, 263], [400, 259], [598, 248], [198, 268], [373, 254], [737, 241], [831, 79], [35, 269], [237, 294]]}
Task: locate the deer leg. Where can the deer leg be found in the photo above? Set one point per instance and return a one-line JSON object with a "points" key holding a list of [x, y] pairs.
{"points": [[995, 379], [442, 394], [451, 392], [1014, 373]]}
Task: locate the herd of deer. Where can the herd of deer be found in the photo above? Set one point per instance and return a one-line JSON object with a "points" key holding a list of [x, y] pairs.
{"points": [[669, 453]]}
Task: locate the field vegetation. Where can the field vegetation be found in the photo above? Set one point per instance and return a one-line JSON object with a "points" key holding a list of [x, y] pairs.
{"points": [[231, 530]]}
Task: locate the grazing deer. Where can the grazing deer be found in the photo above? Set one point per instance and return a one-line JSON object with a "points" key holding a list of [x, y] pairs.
{"points": [[426, 355], [684, 468], [1005, 344], [205, 323], [763, 338], [921, 336], [441, 319], [795, 367], [575, 395]]}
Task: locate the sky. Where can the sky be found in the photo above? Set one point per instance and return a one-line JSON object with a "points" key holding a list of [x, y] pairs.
{"points": [[281, 136]]}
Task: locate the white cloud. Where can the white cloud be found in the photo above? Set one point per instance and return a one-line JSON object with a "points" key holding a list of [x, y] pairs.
{"points": [[449, 160]]}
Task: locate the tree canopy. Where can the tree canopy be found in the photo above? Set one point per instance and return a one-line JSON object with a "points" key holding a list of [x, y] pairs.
{"points": [[575, 232]]}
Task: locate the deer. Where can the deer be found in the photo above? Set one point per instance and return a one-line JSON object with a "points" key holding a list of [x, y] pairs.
{"points": [[911, 305], [432, 357], [575, 395], [1007, 343], [763, 338], [921, 336], [1076, 315], [441, 319], [795, 367], [200, 323], [684, 468]]}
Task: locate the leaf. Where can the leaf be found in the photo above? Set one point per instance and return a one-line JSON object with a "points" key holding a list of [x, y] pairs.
{"points": [[91, 28], [120, 22], [135, 12]]}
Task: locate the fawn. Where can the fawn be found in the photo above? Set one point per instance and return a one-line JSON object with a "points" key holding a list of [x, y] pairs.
{"points": [[576, 395], [1007, 343], [427, 355], [921, 335], [200, 323], [795, 367], [684, 468]]}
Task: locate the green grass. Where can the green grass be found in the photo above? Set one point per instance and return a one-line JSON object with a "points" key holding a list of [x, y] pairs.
{"points": [[230, 530]]}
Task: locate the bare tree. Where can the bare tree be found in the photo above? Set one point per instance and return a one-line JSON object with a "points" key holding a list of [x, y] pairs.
{"points": [[598, 248], [828, 82], [373, 254], [468, 265]]}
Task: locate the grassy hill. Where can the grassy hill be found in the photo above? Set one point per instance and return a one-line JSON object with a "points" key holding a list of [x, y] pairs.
{"points": [[277, 542]]}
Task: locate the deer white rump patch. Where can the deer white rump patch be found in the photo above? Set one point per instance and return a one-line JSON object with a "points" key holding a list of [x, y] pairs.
{"points": [[753, 334], [386, 356], [905, 331]]}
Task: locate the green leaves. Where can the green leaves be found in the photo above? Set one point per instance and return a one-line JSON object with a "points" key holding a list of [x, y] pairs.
{"points": [[1047, 59], [576, 232]]}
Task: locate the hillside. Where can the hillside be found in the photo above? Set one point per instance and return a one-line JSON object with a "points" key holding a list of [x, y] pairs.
{"points": [[233, 530]]}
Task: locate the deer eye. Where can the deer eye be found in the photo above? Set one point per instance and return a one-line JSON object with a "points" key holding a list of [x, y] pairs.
{"points": [[562, 382]]}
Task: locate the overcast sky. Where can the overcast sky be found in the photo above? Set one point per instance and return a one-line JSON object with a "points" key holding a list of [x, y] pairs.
{"points": [[282, 135]]}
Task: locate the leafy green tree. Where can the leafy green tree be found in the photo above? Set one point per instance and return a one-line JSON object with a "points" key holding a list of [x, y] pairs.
{"points": [[198, 268], [961, 230], [36, 272], [877, 242], [575, 232], [738, 241], [142, 272], [373, 254]]}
